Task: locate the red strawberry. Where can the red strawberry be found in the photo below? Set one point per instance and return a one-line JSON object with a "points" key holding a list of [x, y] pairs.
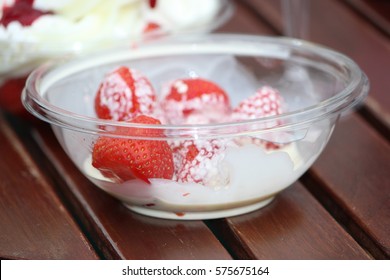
{"points": [[150, 27], [124, 94], [21, 11], [10, 92], [152, 3], [123, 159], [196, 160], [194, 99], [264, 103]]}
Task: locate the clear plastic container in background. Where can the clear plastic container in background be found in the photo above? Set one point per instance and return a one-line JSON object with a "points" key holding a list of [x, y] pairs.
{"points": [[89, 26]]}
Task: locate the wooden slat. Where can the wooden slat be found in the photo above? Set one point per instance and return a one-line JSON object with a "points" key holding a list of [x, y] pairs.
{"points": [[354, 170], [377, 11], [34, 223], [293, 226], [335, 25], [119, 233], [244, 20]]}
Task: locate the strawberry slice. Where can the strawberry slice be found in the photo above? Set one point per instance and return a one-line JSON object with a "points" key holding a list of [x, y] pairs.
{"points": [[194, 99], [266, 102], [124, 94], [123, 159]]}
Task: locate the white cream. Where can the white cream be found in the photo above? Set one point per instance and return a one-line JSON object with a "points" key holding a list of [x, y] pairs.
{"points": [[254, 175]]}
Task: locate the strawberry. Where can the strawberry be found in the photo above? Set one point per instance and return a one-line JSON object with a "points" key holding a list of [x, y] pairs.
{"points": [[21, 11], [152, 3], [123, 159], [10, 92], [197, 160], [264, 103], [124, 94], [151, 26], [197, 99]]}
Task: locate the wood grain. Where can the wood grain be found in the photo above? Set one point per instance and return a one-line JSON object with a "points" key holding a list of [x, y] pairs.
{"points": [[34, 223], [294, 226], [245, 21], [376, 11], [354, 173]]}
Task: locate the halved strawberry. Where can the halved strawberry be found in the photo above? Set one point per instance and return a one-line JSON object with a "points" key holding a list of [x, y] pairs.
{"points": [[189, 100], [124, 94], [123, 159]]}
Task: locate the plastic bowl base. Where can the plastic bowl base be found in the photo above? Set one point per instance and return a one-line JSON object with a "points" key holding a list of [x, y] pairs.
{"points": [[199, 215]]}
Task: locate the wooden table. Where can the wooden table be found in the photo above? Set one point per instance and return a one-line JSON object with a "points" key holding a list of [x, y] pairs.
{"points": [[339, 209]]}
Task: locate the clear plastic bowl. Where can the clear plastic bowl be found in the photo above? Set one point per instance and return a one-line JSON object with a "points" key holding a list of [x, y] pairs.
{"points": [[317, 84]]}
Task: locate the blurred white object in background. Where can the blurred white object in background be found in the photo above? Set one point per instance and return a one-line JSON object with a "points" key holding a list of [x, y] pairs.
{"points": [[73, 26], [33, 31]]}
